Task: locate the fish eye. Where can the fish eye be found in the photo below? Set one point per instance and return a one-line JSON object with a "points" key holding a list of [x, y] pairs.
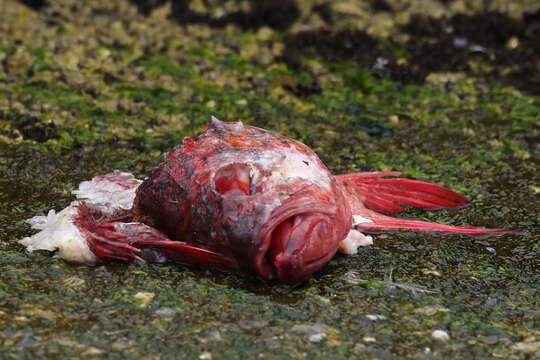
{"points": [[233, 177]]}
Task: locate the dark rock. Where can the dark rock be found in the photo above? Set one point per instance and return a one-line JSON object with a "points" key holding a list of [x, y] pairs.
{"points": [[146, 6], [33, 128], [35, 4]]}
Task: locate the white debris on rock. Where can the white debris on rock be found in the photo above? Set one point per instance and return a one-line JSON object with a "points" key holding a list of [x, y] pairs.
{"points": [[353, 241], [58, 230]]}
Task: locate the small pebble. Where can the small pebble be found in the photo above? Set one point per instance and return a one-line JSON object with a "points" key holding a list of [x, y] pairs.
{"points": [[431, 272], [491, 301], [359, 348], [92, 351], [394, 119], [527, 347], [440, 335], [322, 300], [313, 332], [431, 310], [512, 43], [460, 42], [205, 355], [144, 297], [489, 340], [165, 312]]}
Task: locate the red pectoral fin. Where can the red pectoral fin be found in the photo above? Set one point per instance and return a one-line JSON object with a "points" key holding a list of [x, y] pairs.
{"points": [[385, 194], [184, 253], [109, 239]]}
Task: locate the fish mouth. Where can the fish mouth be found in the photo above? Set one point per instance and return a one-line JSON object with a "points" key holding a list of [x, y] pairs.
{"points": [[297, 241]]}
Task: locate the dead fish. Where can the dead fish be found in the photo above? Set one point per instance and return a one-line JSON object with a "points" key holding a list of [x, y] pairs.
{"points": [[239, 198]]}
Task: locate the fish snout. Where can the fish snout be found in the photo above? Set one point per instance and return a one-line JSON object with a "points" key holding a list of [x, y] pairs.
{"points": [[300, 245]]}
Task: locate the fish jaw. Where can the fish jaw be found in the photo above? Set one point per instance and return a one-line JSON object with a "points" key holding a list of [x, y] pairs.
{"points": [[302, 235], [299, 247]]}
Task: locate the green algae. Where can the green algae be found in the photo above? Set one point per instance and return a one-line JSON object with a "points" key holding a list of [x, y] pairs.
{"points": [[43, 60], [50, 93], [156, 63]]}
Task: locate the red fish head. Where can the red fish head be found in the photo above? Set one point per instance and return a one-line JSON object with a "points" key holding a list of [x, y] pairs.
{"points": [[283, 212], [257, 197], [286, 237]]}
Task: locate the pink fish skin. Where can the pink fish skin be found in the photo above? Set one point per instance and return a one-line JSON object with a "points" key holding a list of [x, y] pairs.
{"points": [[240, 198]]}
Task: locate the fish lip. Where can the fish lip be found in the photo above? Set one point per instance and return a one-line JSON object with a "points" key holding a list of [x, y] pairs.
{"points": [[308, 268], [290, 209]]}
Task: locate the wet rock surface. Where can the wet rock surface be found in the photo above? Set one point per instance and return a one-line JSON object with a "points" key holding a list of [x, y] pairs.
{"points": [[446, 91]]}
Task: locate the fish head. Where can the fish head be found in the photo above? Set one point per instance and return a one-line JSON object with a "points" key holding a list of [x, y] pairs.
{"points": [[282, 210]]}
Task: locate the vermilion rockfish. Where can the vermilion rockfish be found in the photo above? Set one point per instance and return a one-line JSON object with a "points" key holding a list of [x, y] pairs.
{"points": [[238, 198]]}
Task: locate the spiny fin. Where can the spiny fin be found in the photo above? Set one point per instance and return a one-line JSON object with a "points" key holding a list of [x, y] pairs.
{"points": [[371, 190], [381, 222]]}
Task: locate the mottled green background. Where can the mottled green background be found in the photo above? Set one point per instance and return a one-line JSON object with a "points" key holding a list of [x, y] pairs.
{"points": [[89, 87]]}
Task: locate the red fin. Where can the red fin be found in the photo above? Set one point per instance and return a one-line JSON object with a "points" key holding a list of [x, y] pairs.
{"points": [[385, 194], [110, 239], [371, 190], [386, 223], [101, 236], [178, 251]]}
